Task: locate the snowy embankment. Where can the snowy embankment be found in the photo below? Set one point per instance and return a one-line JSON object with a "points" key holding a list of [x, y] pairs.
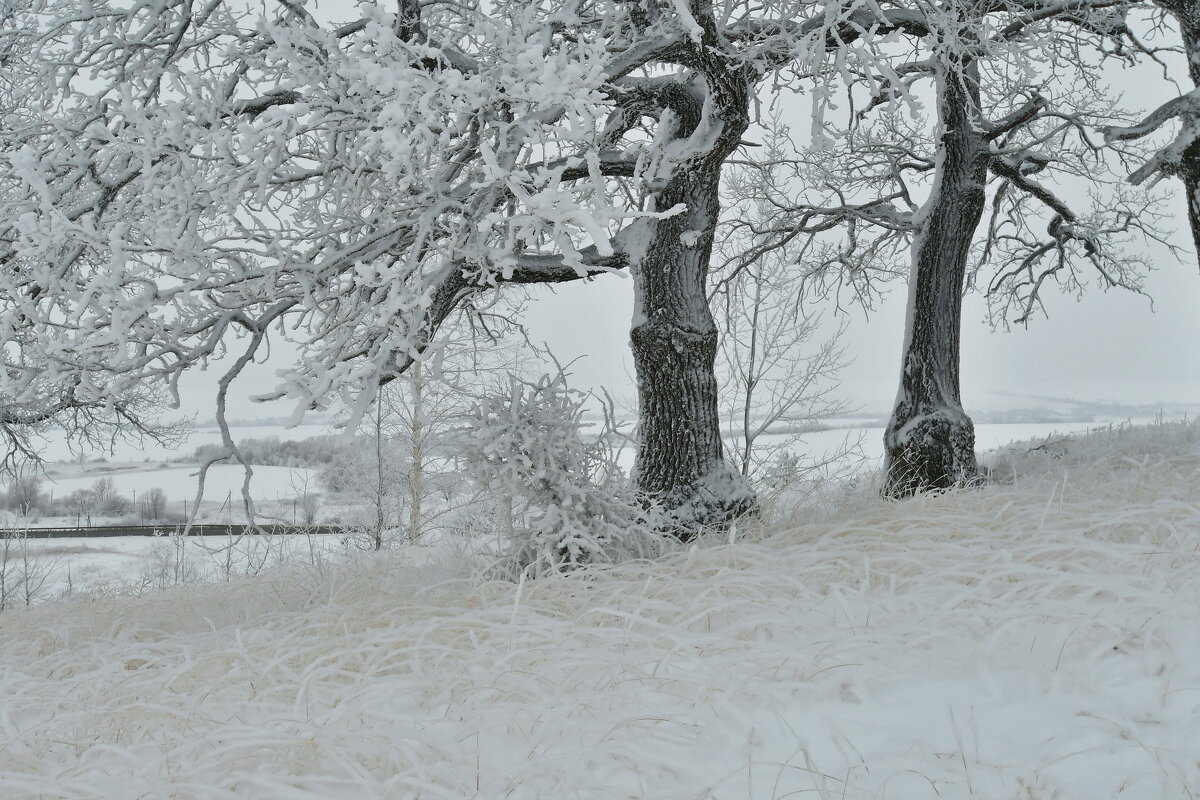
{"points": [[1039, 638]]}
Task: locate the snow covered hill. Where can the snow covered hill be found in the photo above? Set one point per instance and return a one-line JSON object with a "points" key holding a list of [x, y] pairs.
{"points": [[1039, 638]]}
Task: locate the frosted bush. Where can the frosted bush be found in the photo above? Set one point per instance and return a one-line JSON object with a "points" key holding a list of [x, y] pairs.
{"points": [[562, 500]]}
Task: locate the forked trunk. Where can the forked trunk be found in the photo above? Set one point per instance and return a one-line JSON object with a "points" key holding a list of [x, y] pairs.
{"points": [[930, 441]]}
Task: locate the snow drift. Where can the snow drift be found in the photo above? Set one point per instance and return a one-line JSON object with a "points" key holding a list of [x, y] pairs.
{"points": [[1038, 638]]}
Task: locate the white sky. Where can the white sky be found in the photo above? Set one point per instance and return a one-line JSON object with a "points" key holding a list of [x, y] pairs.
{"points": [[1108, 347]]}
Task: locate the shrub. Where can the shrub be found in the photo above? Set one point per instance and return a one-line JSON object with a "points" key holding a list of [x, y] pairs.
{"points": [[562, 501]]}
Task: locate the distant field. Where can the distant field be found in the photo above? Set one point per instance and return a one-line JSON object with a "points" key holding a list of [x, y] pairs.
{"points": [[180, 482]]}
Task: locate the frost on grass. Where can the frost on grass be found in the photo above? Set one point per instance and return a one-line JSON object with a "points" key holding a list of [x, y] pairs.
{"points": [[1037, 638]]}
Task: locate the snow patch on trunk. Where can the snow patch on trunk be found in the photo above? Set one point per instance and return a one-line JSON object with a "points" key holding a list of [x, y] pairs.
{"points": [[721, 493], [903, 435], [690, 26], [634, 240]]}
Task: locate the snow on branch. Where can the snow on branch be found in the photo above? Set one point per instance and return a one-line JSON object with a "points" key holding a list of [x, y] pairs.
{"points": [[1165, 161]]}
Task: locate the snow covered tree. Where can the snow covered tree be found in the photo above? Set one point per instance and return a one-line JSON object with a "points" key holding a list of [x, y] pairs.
{"points": [[44, 403], [191, 183], [887, 182], [25, 494], [310, 506], [929, 440], [777, 383]]}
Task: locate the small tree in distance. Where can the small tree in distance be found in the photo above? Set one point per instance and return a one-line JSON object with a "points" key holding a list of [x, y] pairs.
{"points": [[310, 505], [82, 502], [401, 473], [25, 493], [153, 504], [106, 498], [777, 382]]}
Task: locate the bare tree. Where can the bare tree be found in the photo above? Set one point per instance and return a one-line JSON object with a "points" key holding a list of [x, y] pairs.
{"points": [[82, 502], [892, 185], [153, 504], [406, 475], [106, 497], [416, 462], [777, 382], [24, 571], [310, 506], [374, 474]]}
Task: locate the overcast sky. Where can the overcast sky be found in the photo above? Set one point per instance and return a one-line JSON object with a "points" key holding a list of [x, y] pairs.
{"points": [[1107, 347]]}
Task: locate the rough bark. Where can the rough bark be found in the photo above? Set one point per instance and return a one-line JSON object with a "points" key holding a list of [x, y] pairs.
{"points": [[1187, 14], [930, 441], [680, 462]]}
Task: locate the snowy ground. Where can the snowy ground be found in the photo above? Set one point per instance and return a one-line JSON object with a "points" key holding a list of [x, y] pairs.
{"points": [[1039, 638]]}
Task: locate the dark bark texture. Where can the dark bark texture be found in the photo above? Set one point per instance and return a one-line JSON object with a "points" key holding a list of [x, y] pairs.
{"points": [[930, 441], [1187, 14], [680, 463]]}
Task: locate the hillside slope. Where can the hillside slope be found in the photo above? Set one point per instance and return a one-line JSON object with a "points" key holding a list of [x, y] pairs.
{"points": [[1038, 638]]}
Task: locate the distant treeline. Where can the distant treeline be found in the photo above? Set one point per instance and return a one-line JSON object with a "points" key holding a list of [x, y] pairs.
{"points": [[316, 451]]}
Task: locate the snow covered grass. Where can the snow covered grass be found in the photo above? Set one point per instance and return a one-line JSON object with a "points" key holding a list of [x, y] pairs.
{"points": [[1038, 638], [137, 564]]}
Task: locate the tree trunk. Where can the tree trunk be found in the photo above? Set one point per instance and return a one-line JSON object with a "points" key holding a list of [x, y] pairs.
{"points": [[930, 441], [1187, 14], [680, 462]]}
